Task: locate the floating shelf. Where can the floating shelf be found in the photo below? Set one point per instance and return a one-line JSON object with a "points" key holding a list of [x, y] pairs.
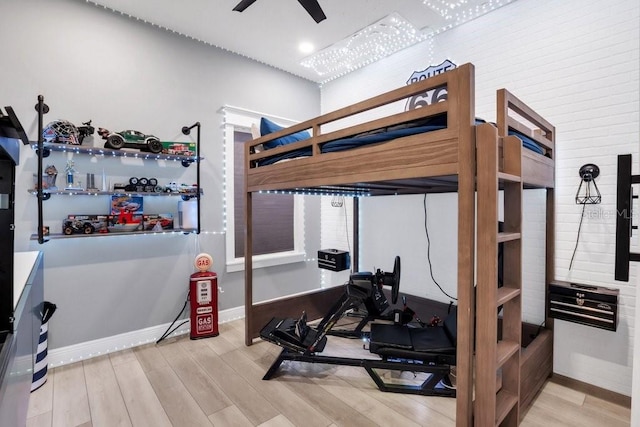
{"points": [[97, 151], [56, 236], [113, 193]]}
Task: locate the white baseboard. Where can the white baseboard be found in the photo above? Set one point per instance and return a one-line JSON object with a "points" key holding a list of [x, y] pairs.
{"points": [[87, 350]]}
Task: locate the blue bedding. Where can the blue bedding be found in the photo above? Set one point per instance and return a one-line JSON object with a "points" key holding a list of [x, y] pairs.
{"points": [[527, 142], [383, 135]]}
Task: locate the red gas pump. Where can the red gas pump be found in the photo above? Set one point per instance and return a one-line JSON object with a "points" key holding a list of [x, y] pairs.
{"points": [[203, 296]]}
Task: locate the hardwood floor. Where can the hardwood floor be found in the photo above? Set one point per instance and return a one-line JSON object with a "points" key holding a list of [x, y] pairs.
{"points": [[218, 381]]}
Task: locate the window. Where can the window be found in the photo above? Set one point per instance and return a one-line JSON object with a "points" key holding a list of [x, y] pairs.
{"points": [[277, 218]]}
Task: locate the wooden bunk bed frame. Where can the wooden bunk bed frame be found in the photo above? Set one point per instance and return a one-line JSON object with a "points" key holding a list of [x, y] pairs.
{"points": [[438, 161]]}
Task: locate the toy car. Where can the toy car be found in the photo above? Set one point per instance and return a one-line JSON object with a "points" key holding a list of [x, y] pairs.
{"points": [[84, 224], [130, 139], [77, 226]]}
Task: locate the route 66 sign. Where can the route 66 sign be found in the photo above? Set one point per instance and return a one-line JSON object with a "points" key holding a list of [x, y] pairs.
{"points": [[434, 95]]}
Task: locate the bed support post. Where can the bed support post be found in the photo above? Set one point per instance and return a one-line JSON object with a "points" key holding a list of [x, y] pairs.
{"points": [[248, 266], [464, 85], [355, 265]]}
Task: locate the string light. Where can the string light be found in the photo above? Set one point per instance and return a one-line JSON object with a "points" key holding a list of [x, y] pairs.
{"points": [[65, 148], [391, 35], [187, 36], [224, 173], [457, 12], [381, 39], [321, 192], [443, 7]]}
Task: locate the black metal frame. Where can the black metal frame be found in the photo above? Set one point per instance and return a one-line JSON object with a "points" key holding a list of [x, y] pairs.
{"points": [[187, 130], [427, 388], [42, 109], [624, 216], [306, 348]]}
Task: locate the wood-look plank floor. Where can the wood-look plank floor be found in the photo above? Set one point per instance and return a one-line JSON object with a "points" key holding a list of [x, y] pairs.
{"points": [[218, 382]]}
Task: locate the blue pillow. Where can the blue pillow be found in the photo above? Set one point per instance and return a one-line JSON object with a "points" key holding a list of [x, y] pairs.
{"points": [[267, 127]]}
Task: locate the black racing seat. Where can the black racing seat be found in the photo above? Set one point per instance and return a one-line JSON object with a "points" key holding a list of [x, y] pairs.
{"points": [[431, 344]]}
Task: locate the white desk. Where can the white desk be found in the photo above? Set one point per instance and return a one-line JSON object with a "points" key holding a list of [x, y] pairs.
{"points": [[17, 357], [23, 267]]}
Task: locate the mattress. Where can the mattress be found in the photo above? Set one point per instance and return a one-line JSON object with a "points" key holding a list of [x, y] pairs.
{"points": [[379, 136]]}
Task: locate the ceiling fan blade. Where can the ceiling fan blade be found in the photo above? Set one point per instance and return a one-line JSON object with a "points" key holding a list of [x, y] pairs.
{"points": [[240, 7], [314, 9]]}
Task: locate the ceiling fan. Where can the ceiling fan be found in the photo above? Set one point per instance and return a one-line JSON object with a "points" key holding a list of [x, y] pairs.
{"points": [[311, 6]]}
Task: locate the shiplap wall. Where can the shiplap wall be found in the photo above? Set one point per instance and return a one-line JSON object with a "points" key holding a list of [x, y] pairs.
{"points": [[336, 233], [577, 63]]}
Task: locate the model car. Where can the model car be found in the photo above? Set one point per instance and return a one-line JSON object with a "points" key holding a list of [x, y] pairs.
{"points": [[77, 226], [84, 224], [130, 139]]}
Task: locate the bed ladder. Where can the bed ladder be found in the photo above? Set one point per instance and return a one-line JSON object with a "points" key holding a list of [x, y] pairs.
{"points": [[497, 372]]}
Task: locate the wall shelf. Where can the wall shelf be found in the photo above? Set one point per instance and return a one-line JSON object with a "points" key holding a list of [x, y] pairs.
{"points": [[57, 236], [97, 151], [114, 193], [75, 227]]}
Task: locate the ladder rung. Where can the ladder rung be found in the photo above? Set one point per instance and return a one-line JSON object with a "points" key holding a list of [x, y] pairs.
{"points": [[506, 294], [508, 177], [507, 237], [505, 350], [505, 402]]}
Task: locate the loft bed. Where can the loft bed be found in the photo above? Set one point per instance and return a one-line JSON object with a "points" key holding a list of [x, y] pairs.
{"points": [[442, 159]]}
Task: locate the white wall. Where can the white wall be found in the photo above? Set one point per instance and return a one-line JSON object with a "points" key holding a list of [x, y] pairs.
{"points": [[90, 63], [577, 64]]}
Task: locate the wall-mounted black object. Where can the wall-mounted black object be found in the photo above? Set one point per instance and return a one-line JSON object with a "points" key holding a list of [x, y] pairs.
{"points": [[186, 130], [42, 109], [311, 6], [588, 196], [585, 304], [624, 214], [334, 259]]}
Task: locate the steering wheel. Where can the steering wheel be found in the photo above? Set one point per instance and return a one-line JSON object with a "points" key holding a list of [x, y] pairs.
{"points": [[395, 286]]}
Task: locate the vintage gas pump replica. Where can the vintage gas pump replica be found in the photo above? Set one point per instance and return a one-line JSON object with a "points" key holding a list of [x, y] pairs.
{"points": [[203, 296]]}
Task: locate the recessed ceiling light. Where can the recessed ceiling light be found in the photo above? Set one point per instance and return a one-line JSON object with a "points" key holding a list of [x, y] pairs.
{"points": [[305, 47]]}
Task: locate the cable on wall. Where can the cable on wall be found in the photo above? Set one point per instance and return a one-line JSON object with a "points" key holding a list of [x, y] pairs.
{"points": [[346, 226], [426, 230], [577, 237]]}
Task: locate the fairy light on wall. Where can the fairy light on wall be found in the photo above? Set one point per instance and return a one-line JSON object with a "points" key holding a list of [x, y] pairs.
{"points": [[224, 173]]}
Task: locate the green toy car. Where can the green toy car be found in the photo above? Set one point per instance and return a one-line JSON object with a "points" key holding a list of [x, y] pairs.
{"points": [[130, 139]]}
